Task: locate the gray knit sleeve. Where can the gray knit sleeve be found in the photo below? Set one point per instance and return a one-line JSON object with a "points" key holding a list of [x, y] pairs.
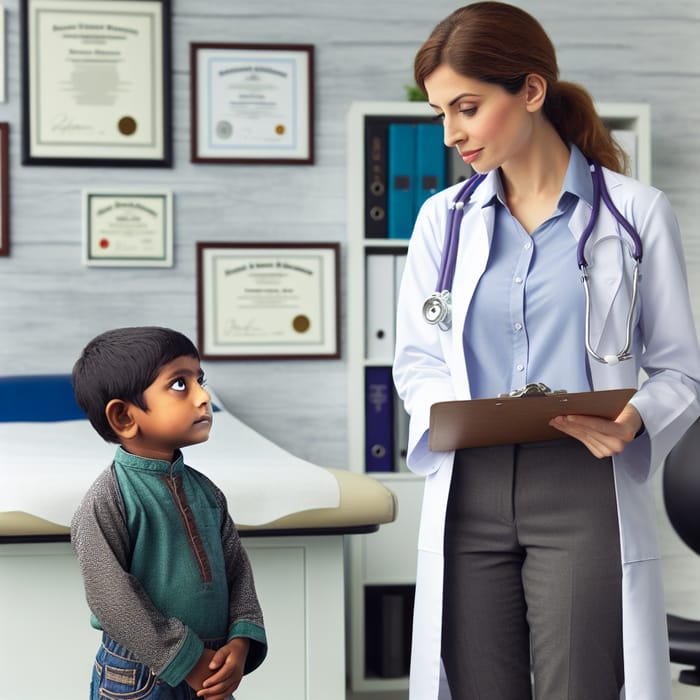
{"points": [[100, 538]]}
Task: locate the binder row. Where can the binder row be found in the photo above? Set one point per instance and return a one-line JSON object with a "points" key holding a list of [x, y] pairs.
{"points": [[406, 162], [386, 421]]}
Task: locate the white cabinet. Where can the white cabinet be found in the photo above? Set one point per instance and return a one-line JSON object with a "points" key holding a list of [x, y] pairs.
{"points": [[382, 563], [299, 580]]}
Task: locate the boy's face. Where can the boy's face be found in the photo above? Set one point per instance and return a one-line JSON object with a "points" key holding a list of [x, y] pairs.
{"points": [[179, 411]]}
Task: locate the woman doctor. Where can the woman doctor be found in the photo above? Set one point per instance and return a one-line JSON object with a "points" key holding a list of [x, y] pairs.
{"points": [[539, 556]]}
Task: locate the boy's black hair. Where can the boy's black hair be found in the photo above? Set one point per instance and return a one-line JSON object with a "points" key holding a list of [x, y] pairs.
{"points": [[121, 364]]}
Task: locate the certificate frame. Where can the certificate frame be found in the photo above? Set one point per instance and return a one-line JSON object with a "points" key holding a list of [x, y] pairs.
{"points": [[4, 189], [270, 117], [96, 82], [259, 301], [127, 228]]}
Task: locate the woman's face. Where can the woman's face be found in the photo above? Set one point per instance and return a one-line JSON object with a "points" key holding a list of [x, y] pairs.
{"points": [[488, 125]]}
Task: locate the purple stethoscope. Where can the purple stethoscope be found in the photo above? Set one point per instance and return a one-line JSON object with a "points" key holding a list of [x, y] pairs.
{"points": [[437, 308]]}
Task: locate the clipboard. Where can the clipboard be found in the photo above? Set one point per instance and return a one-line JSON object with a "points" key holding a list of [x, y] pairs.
{"points": [[512, 419]]}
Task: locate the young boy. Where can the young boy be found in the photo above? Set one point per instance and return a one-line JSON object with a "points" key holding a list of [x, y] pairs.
{"points": [[165, 574]]}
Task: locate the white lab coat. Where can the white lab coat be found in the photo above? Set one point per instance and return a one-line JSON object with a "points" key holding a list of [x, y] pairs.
{"points": [[430, 367]]}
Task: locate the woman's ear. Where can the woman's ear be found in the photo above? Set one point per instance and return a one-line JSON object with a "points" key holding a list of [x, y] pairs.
{"points": [[120, 419], [535, 90]]}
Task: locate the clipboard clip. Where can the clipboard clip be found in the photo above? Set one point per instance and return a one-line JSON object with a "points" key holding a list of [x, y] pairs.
{"points": [[535, 389]]}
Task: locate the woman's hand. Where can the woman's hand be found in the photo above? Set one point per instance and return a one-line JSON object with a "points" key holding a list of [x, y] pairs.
{"points": [[601, 436]]}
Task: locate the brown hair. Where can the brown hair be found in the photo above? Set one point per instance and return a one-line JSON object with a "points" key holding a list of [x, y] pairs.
{"points": [[499, 43]]}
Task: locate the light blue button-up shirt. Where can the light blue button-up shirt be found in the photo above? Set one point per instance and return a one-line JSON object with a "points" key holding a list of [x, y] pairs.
{"points": [[526, 319]]}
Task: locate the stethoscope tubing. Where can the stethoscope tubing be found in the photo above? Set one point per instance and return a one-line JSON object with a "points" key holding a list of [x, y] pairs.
{"points": [[449, 258], [437, 308], [600, 193]]}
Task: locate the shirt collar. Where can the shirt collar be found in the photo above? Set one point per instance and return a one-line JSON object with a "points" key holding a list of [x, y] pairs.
{"points": [[127, 459], [577, 181]]}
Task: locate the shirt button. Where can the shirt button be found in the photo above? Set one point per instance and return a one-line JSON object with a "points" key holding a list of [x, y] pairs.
{"points": [[520, 368], [528, 245], [518, 326], [518, 280]]}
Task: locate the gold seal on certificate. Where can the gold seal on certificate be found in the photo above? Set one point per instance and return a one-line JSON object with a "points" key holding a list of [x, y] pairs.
{"points": [[258, 300], [127, 229], [301, 323], [127, 126]]}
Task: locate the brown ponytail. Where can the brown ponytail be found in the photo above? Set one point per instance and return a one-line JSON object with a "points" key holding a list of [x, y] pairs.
{"points": [[570, 109], [500, 43]]}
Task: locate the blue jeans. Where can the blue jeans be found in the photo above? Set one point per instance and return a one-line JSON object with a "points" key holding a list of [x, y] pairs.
{"points": [[117, 675]]}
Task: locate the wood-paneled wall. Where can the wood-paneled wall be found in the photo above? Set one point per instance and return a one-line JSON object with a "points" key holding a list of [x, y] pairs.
{"points": [[50, 305]]}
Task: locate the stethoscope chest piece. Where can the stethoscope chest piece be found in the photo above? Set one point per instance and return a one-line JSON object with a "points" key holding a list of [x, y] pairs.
{"points": [[436, 309]]}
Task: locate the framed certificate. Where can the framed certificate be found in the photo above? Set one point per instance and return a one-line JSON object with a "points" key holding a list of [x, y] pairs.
{"points": [[4, 189], [127, 228], [96, 82], [267, 301], [252, 103]]}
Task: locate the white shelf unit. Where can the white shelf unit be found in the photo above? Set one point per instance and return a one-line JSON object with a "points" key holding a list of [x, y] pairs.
{"points": [[636, 117], [388, 557]]}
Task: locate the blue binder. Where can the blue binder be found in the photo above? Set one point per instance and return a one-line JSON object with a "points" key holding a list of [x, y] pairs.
{"points": [[401, 195], [430, 162], [379, 420]]}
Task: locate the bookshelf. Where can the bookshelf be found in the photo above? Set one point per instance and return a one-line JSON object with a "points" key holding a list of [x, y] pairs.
{"points": [[382, 564]]}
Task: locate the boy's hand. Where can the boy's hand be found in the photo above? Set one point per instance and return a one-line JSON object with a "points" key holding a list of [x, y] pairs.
{"points": [[228, 664], [196, 677]]}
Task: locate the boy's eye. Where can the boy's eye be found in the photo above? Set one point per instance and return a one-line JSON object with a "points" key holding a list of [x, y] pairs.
{"points": [[179, 385], [202, 381]]}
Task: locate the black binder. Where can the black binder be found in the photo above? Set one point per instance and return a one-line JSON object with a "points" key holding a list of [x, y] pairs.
{"points": [[376, 129]]}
